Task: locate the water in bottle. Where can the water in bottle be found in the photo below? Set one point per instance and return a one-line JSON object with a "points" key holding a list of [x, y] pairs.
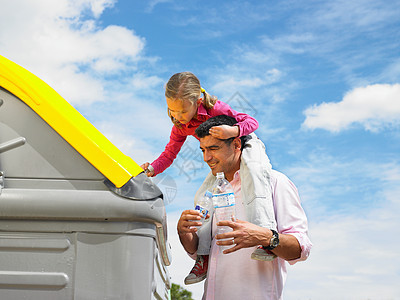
{"points": [[204, 204], [224, 203]]}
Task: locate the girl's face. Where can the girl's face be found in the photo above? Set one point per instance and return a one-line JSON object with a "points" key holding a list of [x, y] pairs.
{"points": [[183, 111]]}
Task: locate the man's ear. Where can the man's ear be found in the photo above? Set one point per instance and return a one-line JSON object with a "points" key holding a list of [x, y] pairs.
{"points": [[237, 143]]}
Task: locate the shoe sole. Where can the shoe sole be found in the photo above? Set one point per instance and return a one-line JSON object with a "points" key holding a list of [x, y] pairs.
{"points": [[195, 280], [263, 257]]}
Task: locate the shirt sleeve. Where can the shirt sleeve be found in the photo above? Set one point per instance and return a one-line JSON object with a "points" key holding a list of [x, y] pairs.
{"points": [[176, 140], [290, 216], [246, 123]]}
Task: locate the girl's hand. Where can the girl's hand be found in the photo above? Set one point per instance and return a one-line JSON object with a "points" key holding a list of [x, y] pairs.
{"points": [[148, 169], [224, 132]]}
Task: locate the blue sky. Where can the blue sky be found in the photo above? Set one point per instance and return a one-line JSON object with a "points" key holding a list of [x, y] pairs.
{"points": [[321, 77]]}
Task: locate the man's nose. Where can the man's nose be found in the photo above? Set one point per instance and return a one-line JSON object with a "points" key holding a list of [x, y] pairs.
{"points": [[207, 156]]}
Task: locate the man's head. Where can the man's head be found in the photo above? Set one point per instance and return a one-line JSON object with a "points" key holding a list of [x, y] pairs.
{"points": [[220, 155]]}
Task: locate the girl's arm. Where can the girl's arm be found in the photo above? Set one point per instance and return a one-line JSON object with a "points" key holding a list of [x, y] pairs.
{"points": [[246, 124], [172, 149]]}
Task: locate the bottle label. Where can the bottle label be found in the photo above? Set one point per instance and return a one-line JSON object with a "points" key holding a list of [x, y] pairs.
{"points": [[223, 200], [202, 210]]}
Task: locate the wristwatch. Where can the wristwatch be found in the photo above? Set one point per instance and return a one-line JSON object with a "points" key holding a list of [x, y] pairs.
{"points": [[273, 242]]}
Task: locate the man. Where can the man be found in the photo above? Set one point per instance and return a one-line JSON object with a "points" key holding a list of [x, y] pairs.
{"points": [[231, 273]]}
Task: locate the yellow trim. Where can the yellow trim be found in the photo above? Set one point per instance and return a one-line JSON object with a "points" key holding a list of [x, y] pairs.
{"points": [[68, 122]]}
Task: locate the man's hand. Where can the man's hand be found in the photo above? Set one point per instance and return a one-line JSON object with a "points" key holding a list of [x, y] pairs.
{"points": [[247, 235], [244, 235], [224, 132], [188, 220], [187, 230]]}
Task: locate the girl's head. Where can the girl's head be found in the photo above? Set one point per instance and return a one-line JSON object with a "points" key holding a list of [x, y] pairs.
{"points": [[184, 95]]}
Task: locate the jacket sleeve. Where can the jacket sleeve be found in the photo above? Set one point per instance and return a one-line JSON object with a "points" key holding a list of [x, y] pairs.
{"points": [[246, 123], [176, 140]]}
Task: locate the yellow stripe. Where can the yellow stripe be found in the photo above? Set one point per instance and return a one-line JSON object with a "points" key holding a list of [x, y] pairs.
{"points": [[68, 122]]}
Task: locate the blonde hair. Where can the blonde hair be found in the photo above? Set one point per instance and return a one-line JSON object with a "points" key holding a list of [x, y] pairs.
{"points": [[185, 86]]}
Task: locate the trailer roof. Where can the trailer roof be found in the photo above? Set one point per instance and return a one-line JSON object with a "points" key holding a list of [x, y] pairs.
{"points": [[68, 122]]}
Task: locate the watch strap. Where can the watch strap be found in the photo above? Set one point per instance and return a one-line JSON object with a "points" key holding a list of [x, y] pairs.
{"points": [[275, 236]]}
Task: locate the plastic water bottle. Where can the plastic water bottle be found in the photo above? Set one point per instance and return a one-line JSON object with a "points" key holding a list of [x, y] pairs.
{"points": [[224, 203], [204, 204]]}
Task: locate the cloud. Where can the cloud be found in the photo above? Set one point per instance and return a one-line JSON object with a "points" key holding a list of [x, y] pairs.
{"points": [[255, 72], [293, 43], [102, 70], [247, 81], [153, 3], [363, 14], [374, 107], [345, 254], [63, 43]]}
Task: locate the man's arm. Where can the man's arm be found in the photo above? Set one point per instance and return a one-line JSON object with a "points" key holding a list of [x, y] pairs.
{"points": [[288, 248], [247, 235], [187, 231]]}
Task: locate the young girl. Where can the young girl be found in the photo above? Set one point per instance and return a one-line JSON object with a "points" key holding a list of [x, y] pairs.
{"points": [[189, 105]]}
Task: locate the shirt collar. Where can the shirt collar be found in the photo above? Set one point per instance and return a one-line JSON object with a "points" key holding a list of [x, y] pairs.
{"points": [[201, 110]]}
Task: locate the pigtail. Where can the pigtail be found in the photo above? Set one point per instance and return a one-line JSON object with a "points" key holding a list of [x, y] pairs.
{"points": [[208, 100]]}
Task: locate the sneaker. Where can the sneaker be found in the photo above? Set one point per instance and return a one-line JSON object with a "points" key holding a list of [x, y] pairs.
{"points": [[199, 271], [262, 254]]}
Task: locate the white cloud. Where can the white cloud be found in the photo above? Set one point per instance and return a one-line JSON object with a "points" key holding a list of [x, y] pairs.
{"points": [[346, 261], [295, 43], [62, 43], [142, 82], [153, 3], [364, 14], [374, 107], [354, 257], [94, 67]]}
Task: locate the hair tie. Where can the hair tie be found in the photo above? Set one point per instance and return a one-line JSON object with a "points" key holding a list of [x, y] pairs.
{"points": [[202, 90]]}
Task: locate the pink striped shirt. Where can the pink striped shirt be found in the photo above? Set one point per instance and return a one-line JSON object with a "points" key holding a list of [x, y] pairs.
{"points": [[237, 276], [178, 136]]}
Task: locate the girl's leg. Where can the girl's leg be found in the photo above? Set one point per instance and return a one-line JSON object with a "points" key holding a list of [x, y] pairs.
{"points": [[199, 270], [204, 232]]}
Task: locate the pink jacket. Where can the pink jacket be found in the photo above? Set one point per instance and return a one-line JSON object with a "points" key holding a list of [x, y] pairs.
{"points": [[178, 136]]}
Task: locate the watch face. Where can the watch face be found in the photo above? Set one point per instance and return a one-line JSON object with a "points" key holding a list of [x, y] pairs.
{"points": [[274, 241]]}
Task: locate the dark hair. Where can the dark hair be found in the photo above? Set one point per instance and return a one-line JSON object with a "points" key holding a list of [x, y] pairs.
{"points": [[203, 129]]}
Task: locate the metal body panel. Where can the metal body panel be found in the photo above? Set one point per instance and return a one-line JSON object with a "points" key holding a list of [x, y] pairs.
{"points": [[66, 230]]}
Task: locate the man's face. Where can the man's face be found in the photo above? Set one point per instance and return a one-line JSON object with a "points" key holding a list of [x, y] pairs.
{"points": [[220, 156]]}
